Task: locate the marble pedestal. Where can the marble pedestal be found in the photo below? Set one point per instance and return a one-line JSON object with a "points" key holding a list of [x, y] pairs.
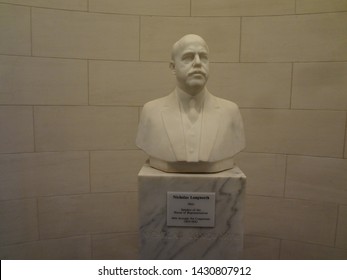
{"points": [[159, 241]]}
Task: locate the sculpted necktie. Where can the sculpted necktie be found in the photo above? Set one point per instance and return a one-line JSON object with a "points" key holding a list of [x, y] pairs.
{"points": [[193, 112]]}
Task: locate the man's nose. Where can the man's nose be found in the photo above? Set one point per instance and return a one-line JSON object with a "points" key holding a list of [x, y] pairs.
{"points": [[197, 60]]}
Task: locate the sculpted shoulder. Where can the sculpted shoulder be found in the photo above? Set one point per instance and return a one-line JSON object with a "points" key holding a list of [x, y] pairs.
{"points": [[154, 105], [227, 104]]}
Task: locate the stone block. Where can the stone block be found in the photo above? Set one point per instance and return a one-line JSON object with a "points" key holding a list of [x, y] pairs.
{"points": [[317, 178], [294, 38], [320, 86], [84, 35], [115, 246], [265, 173], [320, 6], [159, 241], [252, 85], [40, 174], [112, 82], [303, 132], [293, 250], [140, 7], [341, 234], [64, 216], [16, 129], [43, 81], [293, 219], [61, 128], [115, 171], [242, 7], [15, 30], [260, 248], [54, 4], [71, 248], [18, 221]]}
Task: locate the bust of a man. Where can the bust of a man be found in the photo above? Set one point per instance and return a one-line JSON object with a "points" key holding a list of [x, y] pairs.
{"points": [[190, 130]]}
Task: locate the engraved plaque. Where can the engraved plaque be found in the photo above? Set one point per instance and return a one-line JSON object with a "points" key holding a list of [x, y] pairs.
{"points": [[191, 209]]}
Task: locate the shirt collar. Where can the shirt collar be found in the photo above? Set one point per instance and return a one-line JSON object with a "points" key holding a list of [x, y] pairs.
{"points": [[184, 97]]}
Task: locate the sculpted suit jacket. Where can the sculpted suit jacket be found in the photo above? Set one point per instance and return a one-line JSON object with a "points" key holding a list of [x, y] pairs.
{"points": [[161, 134]]}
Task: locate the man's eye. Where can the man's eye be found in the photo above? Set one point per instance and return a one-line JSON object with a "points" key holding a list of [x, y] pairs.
{"points": [[188, 58], [204, 57]]}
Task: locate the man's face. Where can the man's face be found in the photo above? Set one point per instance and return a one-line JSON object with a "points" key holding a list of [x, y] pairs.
{"points": [[191, 65]]}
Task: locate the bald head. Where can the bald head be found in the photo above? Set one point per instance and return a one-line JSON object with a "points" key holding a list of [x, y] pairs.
{"points": [[184, 41]]}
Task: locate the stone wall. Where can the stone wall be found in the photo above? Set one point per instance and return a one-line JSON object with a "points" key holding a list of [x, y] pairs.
{"points": [[75, 73]]}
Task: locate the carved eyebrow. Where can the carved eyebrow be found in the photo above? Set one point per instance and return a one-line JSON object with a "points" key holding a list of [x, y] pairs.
{"points": [[187, 53]]}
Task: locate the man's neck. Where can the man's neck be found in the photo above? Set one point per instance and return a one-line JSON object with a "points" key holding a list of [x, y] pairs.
{"points": [[186, 97]]}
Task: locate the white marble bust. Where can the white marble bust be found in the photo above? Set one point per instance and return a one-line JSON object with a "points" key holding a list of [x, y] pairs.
{"points": [[190, 130]]}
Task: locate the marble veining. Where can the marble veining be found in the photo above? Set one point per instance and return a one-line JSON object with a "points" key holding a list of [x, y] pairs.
{"points": [[158, 241]]}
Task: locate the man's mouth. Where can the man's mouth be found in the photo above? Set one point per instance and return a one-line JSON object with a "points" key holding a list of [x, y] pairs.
{"points": [[197, 73]]}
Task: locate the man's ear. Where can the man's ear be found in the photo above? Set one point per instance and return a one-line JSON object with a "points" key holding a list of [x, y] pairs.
{"points": [[172, 67]]}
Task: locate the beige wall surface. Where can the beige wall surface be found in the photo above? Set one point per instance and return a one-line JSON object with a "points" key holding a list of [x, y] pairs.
{"points": [[75, 74]]}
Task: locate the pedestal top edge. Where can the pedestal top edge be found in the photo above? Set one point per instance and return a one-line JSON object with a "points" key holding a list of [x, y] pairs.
{"points": [[147, 170]]}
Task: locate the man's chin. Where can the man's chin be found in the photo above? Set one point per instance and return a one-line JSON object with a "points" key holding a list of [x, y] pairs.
{"points": [[195, 88], [197, 82]]}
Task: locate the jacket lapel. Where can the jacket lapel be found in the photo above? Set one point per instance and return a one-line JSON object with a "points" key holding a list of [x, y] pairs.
{"points": [[210, 126], [172, 122], [173, 125]]}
